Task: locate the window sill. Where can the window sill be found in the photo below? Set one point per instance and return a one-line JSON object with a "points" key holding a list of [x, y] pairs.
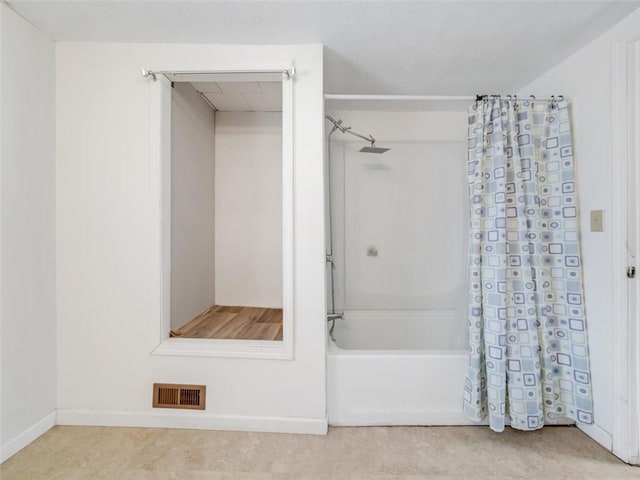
{"points": [[203, 347]]}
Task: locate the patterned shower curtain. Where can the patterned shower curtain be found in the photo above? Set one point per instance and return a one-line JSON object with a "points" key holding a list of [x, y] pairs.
{"points": [[528, 356]]}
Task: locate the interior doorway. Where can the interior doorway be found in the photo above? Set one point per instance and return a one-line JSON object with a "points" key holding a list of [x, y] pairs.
{"points": [[226, 207], [626, 324], [633, 251]]}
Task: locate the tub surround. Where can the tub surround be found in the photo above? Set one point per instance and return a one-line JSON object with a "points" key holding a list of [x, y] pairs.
{"points": [[404, 378]]}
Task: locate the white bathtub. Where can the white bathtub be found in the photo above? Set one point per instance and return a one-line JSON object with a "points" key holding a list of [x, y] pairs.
{"points": [[397, 368]]}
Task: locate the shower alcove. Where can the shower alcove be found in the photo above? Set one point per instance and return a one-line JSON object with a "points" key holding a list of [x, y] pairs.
{"points": [[396, 235]]}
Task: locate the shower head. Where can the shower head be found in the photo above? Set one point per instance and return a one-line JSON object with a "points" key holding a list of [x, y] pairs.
{"points": [[374, 149]]}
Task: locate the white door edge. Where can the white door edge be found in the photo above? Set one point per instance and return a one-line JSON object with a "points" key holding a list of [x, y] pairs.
{"points": [[625, 323]]}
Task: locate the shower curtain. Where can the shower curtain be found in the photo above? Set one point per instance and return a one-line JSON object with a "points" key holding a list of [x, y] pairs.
{"points": [[528, 357]]}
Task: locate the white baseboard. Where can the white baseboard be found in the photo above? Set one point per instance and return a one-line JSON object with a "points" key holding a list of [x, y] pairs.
{"points": [[600, 435], [451, 418], [17, 443], [190, 420], [366, 419]]}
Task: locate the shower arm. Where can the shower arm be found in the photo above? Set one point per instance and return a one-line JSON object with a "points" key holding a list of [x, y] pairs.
{"points": [[337, 124], [369, 139]]}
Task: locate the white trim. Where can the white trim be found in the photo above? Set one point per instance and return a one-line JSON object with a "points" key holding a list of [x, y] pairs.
{"points": [[23, 439], [385, 418], [632, 335], [201, 347], [443, 98], [466, 98], [238, 75], [204, 421], [633, 323], [400, 314], [160, 156], [423, 419], [624, 438], [619, 234], [160, 160], [288, 286], [598, 434]]}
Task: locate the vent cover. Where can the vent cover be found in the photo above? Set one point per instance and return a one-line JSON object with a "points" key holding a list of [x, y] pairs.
{"points": [[171, 395]]}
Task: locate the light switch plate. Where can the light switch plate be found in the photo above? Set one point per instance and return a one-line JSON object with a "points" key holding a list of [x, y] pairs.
{"points": [[597, 220]]}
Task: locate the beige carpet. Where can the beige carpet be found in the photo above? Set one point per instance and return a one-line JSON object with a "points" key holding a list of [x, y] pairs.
{"points": [[436, 453]]}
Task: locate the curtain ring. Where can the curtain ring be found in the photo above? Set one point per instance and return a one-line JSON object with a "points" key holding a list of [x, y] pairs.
{"points": [[532, 99], [515, 102], [560, 98]]}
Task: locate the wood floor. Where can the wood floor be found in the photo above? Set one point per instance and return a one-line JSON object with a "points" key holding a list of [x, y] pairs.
{"points": [[234, 322]]}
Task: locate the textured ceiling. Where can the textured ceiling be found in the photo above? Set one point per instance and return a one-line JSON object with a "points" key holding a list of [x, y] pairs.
{"points": [[242, 96], [371, 47]]}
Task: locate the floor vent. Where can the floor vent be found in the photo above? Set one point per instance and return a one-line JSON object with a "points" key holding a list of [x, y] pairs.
{"points": [[171, 395]]}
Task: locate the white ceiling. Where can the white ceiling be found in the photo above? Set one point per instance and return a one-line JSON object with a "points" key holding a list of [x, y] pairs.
{"points": [[242, 96], [371, 47]]}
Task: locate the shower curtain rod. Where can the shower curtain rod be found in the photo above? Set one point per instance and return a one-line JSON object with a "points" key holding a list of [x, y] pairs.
{"points": [[471, 98], [532, 98], [287, 72]]}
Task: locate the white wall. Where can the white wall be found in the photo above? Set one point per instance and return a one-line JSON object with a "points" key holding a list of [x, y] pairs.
{"points": [[409, 202], [586, 79], [192, 205], [248, 205], [109, 246], [27, 223]]}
